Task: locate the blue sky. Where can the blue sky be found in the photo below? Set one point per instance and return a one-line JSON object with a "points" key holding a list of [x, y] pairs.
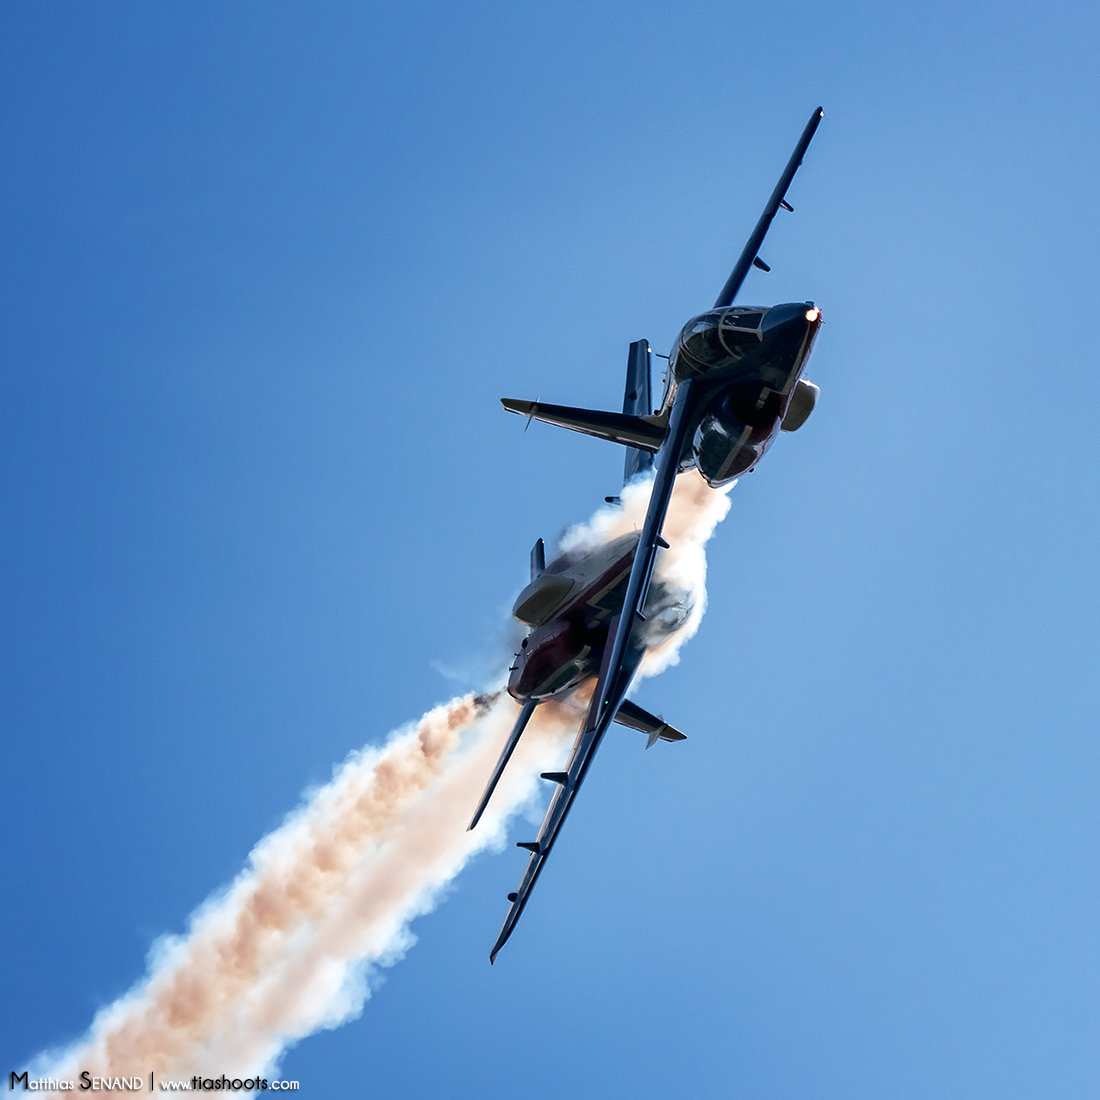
{"points": [[266, 271]]}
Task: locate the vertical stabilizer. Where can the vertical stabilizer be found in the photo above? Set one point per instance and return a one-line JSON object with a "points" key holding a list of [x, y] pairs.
{"points": [[538, 560], [637, 401]]}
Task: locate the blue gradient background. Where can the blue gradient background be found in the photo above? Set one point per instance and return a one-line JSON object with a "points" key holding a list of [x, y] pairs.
{"points": [[267, 268]]}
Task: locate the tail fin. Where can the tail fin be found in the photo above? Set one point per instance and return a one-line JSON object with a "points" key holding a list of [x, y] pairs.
{"points": [[538, 560], [637, 401]]}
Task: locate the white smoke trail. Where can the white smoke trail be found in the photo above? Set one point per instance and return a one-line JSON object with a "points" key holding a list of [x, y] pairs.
{"points": [[693, 514], [286, 949]]}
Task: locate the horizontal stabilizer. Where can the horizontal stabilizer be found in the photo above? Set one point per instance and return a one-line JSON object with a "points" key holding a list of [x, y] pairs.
{"points": [[632, 716], [645, 432]]}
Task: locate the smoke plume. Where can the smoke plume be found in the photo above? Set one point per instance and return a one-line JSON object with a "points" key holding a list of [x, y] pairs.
{"points": [[288, 947]]}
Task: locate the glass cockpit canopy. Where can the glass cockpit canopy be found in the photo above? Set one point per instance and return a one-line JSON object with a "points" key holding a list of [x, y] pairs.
{"points": [[718, 338]]}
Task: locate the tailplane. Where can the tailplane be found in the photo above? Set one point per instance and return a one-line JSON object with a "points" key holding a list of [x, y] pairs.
{"points": [[631, 715], [646, 432], [633, 427]]}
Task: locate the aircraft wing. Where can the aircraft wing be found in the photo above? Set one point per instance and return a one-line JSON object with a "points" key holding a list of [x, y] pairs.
{"points": [[624, 650], [621, 658], [749, 254]]}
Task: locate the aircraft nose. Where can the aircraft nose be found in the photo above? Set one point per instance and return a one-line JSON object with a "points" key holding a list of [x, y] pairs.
{"points": [[779, 316]]}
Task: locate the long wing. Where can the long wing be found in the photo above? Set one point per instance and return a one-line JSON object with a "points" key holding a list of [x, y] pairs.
{"points": [[624, 650], [748, 255], [621, 658], [509, 747]]}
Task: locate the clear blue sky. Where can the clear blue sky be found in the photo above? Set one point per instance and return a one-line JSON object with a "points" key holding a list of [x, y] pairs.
{"points": [[267, 268]]}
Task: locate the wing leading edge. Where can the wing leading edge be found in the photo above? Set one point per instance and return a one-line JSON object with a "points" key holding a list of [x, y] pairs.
{"points": [[749, 254], [624, 651], [621, 659]]}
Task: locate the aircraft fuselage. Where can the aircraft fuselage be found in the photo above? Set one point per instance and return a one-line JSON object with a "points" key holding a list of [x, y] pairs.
{"points": [[569, 608], [745, 362]]}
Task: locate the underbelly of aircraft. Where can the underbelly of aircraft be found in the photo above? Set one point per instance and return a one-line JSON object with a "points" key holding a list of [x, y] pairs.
{"points": [[554, 659]]}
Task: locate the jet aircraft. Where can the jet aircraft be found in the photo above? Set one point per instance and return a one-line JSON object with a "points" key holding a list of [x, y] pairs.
{"points": [[569, 605], [734, 381]]}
